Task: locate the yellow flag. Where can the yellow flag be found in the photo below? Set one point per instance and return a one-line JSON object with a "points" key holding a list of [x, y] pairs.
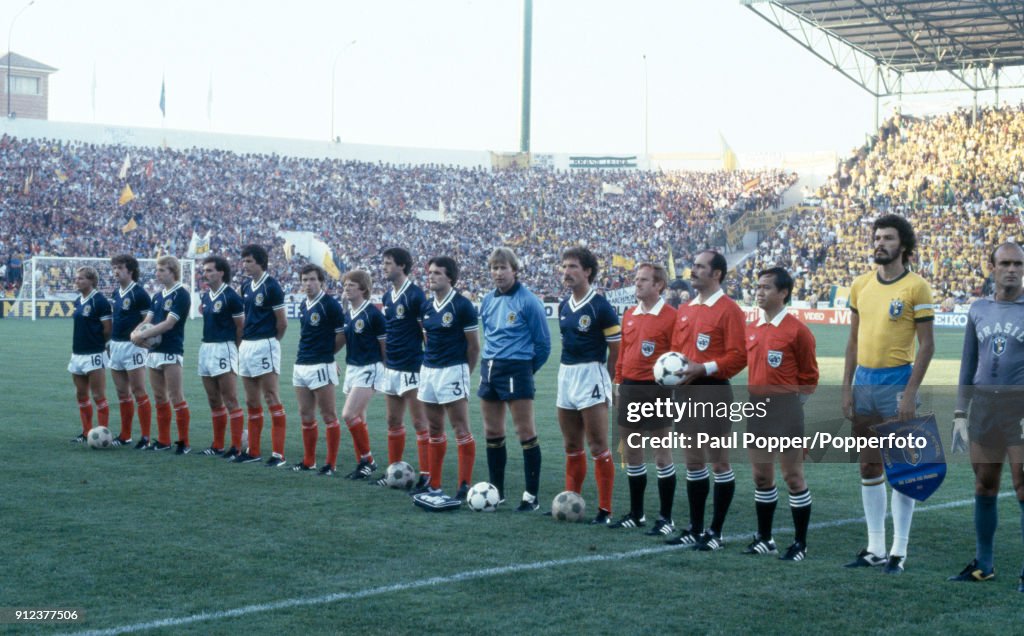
{"points": [[728, 156], [126, 195], [329, 267], [129, 226], [289, 250], [671, 263]]}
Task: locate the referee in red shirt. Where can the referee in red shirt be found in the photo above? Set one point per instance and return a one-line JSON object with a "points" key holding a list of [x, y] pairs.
{"points": [[646, 334], [782, 373], [710, 332]]}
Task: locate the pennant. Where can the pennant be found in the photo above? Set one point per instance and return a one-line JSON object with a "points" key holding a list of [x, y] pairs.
{"points": [[126, 195], [129, 226], [728, 156], [163, 97], [915, 470]]}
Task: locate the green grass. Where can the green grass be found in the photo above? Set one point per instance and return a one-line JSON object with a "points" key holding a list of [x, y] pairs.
{"points": [[135, 537]]}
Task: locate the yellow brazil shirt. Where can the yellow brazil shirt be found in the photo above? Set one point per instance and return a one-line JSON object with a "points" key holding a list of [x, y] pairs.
{"points": [[888, 313]]}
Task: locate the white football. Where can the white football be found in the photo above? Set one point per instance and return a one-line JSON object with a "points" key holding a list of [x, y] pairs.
{"points": [[568, 506], [99, 437], [150, 342], [668, 367], [401, 475], [483, 497]]}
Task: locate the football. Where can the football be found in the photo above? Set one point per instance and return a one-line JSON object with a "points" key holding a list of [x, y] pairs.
{"points": [[568, 506], [483, 497], [401, 475], [667, 367], [100, 437], [150, 342]]}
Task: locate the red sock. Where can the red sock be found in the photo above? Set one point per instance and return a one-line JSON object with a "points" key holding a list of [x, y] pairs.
{"points": [[163, 423], [575, 471], [181, 417], [237, 418], [220, 425], [333, 442], [85, 412], [467, 454], [436, 447], [396, 445], [103, 412], [127, 408], [604, 475], [423, 447], [277, 430], [145, 415], [255, 430], [309, 435], [360, 438]]}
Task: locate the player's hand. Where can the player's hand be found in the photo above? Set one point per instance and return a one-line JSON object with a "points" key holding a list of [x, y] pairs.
{"points": [[615, 390], [848, 403], [907, 408], [692, 371], [960, 435]]}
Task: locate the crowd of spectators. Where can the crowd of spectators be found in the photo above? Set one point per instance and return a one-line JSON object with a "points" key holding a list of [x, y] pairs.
{"points": [[958, 179], [62, 199]]}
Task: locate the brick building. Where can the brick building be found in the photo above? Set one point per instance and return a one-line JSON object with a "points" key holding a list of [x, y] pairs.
{"points": [[29, 87]]}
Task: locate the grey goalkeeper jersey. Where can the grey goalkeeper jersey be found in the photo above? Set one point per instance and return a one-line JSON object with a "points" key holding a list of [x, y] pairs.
{"points": [[993, 353]]}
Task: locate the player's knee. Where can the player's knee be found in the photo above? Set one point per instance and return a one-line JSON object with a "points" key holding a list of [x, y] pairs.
{"points": [[271, 397], [870, 470], [763, 481], [721, 467], [795, 483]]}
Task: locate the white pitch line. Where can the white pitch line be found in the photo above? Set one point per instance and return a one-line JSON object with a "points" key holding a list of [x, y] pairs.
{"points": [[455, 578]]}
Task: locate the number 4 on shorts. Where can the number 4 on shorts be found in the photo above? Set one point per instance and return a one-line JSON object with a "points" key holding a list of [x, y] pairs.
{"points": [[596, 393]]}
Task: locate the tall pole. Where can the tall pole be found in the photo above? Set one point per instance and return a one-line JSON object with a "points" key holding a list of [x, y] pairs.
{"points": [[524, 125], [334, 69], [646, 108], [10, 32]]}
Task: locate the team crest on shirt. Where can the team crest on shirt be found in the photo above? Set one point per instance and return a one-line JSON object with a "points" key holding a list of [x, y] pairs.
{"points": [[447, 319], [584, 323], [399, 311], [647, 348], [126, 304], [167, 304], [314, 318], [360, 325], [703, 340], [511, 317], [774, 358], [86, 310], [259, 300], [998, 345], [895, 308], [217, 305]]}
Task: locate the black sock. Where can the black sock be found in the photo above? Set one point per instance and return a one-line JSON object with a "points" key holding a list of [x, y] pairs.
{"points": [[666, 490], [765, 502], [531, 465], [637, 477], [725, 488], [800, 505], [698, 485], [497, 456]]}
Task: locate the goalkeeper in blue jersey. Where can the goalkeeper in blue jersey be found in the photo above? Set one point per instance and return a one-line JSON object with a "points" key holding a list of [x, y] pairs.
{"points": [[992, 385]]}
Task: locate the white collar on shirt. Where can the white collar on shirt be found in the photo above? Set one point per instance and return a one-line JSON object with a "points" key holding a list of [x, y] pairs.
{"points": [[395, 293], [655, 310], [576, 306], [444, 301], [256, 283], [311, 303], [84, 299], [776, 321], [127, 290], [356, 312], [710, 302]]}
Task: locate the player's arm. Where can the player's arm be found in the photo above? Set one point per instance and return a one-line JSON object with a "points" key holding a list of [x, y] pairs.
{"points": [[613, 356], [538, 322], [382, 341], [850, 365], [281, 322], [157, 330], [239, 328], [108, 327], [339, 340], [965, 389], [472, 348], [925, 351], [807, 361]]}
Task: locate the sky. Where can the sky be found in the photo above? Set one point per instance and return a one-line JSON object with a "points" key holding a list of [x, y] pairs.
{"points": [[446, 73]]}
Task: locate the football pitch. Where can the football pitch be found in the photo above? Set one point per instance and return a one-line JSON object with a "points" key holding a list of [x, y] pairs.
{"points": [[156, 543]]}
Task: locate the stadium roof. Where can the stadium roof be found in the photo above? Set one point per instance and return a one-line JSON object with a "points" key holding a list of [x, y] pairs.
{"points": [[20, 61], [909, 46]]}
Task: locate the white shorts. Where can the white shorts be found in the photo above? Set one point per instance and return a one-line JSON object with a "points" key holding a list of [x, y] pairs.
{"points": [[370, 376], [583, 385], [259, 357], [157, 360], [441, 386], [315, 376], [217, 358], [125, 356], [400, 382], [82, 364]]}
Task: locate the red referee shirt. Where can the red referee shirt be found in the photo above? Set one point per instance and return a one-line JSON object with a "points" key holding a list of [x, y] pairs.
{"points": [[645, 336], [780, 356], [712, 333]]}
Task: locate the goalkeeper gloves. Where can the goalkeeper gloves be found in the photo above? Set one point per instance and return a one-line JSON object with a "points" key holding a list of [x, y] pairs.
{"points": [[960, 437]]}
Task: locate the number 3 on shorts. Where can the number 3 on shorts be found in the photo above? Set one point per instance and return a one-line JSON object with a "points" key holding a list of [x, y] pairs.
{"points": [[456, 388]]}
